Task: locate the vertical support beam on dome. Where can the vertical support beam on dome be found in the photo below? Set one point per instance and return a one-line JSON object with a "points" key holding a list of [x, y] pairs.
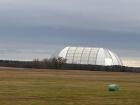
{"points": [[67, 53], [118, 59], [96, 56], [110, 56], [74, 55], [89, 56], [82, 55], [104, 56]]}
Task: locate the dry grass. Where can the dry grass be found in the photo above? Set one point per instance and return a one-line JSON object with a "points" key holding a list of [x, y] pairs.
{"points": [[67, 87]]}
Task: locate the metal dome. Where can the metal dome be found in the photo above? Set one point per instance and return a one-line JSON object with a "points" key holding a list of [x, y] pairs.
{"points": [[90, 56]]}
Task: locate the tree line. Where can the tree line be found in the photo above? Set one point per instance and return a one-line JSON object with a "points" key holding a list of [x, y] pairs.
{"points": [[60, 63], [53, 63]]}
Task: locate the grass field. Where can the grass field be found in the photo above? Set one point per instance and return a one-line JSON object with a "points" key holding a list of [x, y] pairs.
{"points": [[59, 87]]}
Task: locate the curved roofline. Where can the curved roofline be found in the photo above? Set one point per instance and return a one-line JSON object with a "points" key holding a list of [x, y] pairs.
{"points": [[90, 55]]}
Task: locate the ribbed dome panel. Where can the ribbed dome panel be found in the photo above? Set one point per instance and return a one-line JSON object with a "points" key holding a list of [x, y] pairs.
{"points": [[90, 56]]}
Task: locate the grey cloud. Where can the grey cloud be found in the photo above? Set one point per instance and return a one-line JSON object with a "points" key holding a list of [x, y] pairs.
{"points": [[120, 15], [28, 53]]}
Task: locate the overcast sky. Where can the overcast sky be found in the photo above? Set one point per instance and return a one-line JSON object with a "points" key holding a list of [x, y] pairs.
{"points": [[40, 28]]}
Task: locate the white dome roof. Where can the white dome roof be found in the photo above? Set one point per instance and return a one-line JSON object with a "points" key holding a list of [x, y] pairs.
{"points": [[90, 56]]}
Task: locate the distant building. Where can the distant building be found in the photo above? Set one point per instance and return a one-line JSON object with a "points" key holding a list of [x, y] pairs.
{"points": [[90, 56]]}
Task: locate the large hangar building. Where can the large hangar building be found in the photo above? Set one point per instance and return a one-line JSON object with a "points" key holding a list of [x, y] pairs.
{"points": [[90, 56]]}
